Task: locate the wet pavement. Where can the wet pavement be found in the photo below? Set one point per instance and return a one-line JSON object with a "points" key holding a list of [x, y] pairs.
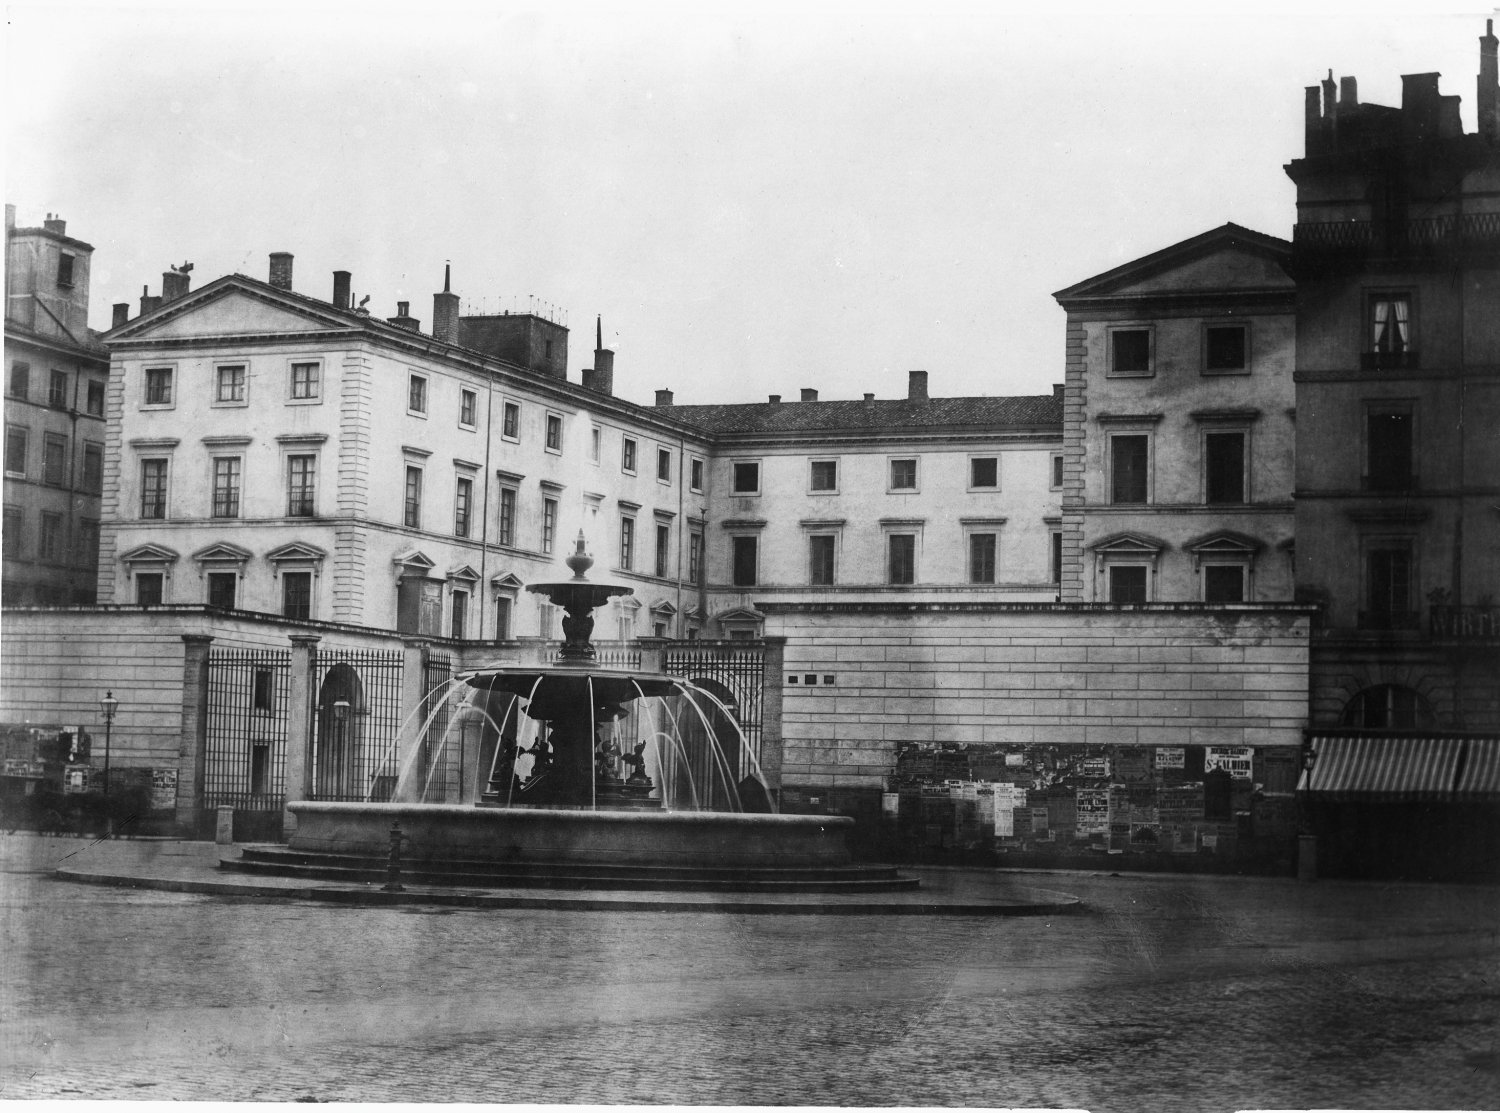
{"points": [[1190, 993]]}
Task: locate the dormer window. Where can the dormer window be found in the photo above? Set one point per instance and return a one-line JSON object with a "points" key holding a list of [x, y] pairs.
{"points": [[65, 270]]}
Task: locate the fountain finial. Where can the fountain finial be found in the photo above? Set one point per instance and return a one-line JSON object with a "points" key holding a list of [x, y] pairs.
{"points": [[579, 561]]}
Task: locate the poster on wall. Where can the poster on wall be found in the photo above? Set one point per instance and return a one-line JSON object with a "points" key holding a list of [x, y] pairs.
{"points": [[1093, 811], [163, 788], [1171, 757], [1234, 760]]}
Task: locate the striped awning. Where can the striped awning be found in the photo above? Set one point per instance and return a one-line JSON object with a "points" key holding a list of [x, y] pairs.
{"points": [[1382, 768], [1480, 777]]}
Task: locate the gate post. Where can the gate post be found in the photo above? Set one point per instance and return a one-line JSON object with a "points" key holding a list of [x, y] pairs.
{"points": [[302, 686], [192, 745], [773, 664], [414, 712]]}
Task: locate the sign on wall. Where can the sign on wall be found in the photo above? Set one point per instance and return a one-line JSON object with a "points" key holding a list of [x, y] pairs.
{"points": [[1093, 811], [1234, 760], [1171, 757], [163, 788]]}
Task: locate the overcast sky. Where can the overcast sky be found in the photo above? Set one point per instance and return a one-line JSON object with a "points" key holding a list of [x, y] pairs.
{"points": [[756, 198]]}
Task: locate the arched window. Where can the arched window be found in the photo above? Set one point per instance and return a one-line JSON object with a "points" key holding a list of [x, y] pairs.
{"points": [[1388, 707]]}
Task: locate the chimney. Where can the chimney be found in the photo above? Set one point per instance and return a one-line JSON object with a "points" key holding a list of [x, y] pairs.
{"points": [[403, 317], [10, 216], [1348, 93], [148, 303], [775, 399], [1488, 99], [122, 314], [809, 394], [869, 399], [174, 284], [55, 224], [602, 377], [1330, 104], [663, 397], [341, 289], [281, 270], [1057, 391], [445, 310], [916, 386]]}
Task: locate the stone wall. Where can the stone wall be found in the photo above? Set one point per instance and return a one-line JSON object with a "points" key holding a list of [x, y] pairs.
{"points": [[1020, 675]]}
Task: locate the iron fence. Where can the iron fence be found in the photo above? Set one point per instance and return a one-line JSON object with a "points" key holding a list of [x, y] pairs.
{"points": [[733, 673], [356, 724], [244, 764]]}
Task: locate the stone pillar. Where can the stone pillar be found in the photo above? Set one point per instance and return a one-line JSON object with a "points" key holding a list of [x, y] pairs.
{"points": [[192, 747], [414, 713], [299, 724], [653, 654], [770, 713]]}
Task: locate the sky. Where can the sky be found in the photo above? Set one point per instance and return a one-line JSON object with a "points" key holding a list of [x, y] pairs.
{"points": [[755, 198]]}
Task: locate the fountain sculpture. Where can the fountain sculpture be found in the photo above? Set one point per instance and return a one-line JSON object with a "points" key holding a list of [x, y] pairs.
{"points": [[569, 802]]}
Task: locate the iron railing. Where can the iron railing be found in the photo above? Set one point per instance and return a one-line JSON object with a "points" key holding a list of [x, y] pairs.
{"points": [[1464, 623], [244, 764], [1423, 236], [356, 724], [733, 673]]}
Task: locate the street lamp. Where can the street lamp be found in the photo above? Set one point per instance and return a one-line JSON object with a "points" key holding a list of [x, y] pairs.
{"points": [[341, 742], [108, 705]]}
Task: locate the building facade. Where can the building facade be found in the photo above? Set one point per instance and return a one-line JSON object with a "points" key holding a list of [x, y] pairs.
{"points": [[56, 370], [1397, 259], [1176, 470]]}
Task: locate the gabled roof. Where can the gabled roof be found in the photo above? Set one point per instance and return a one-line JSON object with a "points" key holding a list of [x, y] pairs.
{"points": [[989, 411], [1228, 237]]}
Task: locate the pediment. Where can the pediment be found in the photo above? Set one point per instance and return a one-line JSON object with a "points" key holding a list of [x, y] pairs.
{"points": [[663, 608], [414, 558], [1225, 259], [740, 614], [1223, 541], [463, 572], [1129, 543], [506, 581], [230, 310], [150, 554], [296, 550], [222, 551]]}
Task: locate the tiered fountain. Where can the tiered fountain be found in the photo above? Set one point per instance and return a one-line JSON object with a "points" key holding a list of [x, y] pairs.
{"points": [[574, 808]]}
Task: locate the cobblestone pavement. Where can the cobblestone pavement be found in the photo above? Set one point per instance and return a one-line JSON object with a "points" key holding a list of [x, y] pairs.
{"points": [[1166, 993]]}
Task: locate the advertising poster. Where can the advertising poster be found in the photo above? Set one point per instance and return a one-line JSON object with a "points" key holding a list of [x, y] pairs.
{"points": [[1093, 811], [1171, 757], [1234, 760]]}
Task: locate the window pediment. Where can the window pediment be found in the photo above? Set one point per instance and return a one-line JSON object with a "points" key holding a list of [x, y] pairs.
{"points": [[150, 554], [1130, 544]]}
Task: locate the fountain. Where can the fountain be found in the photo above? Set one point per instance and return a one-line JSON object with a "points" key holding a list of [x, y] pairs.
{"points": [[570, 803]]}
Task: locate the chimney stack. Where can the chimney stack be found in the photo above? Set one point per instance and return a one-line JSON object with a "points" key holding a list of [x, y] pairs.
{"points": [[174, 284], [916, 386], [56, 224], [663, 397], [281, 270], [10, 215], [775, 399], [1348, 93], [809, 394], [148, 303], [1057, 391], [341, 289], [445, 310], [1489, 84], [122, 314], [869, 399], [601, 376], [403, 317]]}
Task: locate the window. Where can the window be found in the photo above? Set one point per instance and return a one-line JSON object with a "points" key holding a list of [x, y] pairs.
{"points": [[663, 548], [1388, 587], [695, 557], [903, 475], [747, 477], [1128, 470], [1390, 331], [55, 460], [823, 475], [984, 471], [1388, 447], [1130, 351], [510, 421], [19, 383], [1127, 583], [596, 436], [1388, 707], [15, 526], [468, 406], [1057, 552], [148, 589], [901, 558], [459, 615], [503, 607], [411, 510], [1223, 583], [306, 381], [627, 543], [95, 401], [554, 433], [153, 488], [695, 475], [627, 455], [664, 465], [1225, 349], [226, 487], [1056, 481], [463, 499], [416, 395], [221, 589], [57, 390], [51, 546], [296, 594], [16, 438], [230, 389], [64, 269], [981, 558], [300, 477], [746, 552], [158, 386], [1224, 467], [549, 525], [507, 532], [820, 555], [263, 694]]}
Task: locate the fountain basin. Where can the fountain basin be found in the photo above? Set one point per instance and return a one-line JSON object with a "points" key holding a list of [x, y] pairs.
{"points": [[438, 832]]}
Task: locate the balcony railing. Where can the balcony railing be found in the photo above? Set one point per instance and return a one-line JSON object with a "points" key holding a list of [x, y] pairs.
{"points": [[1428, 236], [1464, 623], [1388, 620]]}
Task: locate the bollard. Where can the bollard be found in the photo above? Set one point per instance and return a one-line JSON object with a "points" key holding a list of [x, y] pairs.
{"points": [[393, 864]]}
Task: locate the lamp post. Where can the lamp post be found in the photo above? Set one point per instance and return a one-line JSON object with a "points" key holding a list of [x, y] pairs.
{"points": [[340, 728], [108, 705]]}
